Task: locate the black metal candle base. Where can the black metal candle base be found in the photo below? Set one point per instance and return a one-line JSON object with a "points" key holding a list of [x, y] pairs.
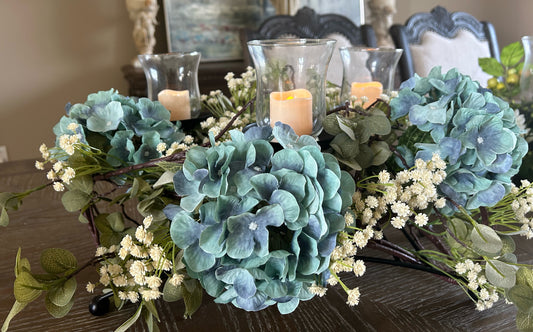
{"points": [[99, 305]]}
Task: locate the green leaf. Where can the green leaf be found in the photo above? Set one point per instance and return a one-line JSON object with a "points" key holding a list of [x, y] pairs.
{"points": [[152, 309], [4, 217], [484, 238], [522, 297], [21, 264], [524, 276], [62, 294], [116, 221], [170, 166], [57, 260], [500, 274], [127, 324], [26, 288], [512, 54], [9, 201], [491, 66], [165, 178], [192, 299], [82, 183], [75, 200], [172, 293], [15, 309], [524, 321], [58, 311]]}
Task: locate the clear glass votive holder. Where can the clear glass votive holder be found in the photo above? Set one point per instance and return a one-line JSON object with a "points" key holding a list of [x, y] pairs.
{"points": [[172, 79], [368, 72], [291, 82]]}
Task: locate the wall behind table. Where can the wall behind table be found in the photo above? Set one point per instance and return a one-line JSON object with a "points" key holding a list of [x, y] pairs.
{"points": [[511, 18], [53, 52]]}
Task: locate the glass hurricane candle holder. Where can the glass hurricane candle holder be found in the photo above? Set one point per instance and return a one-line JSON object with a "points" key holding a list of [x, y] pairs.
{"points": [[368, 72], [526, 78], [172, 79], [291, 82]]}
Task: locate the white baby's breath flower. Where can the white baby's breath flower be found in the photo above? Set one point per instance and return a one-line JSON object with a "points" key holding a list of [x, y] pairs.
{"points": [[317, 290], [359, 268], [100, 251], [176, 279], [90, 287], [58, 186], [161, 147], [353, 296], [39, 165]]}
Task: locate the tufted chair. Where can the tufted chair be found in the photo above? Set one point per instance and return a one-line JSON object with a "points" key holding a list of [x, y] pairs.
{"points": [[447, 39]]}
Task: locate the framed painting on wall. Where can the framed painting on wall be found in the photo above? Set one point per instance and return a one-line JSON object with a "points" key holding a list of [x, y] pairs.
{"points": [[353, 9], [212, 27]]}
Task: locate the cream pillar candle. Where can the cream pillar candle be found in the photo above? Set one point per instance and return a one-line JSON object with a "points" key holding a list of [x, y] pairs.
{"points": [[294, 108], [177, 102], [371, 90]]}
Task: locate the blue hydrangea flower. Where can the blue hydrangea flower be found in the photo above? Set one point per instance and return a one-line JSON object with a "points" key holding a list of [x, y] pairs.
{"points": [[257, 226], [133, 127], [472, 130]]}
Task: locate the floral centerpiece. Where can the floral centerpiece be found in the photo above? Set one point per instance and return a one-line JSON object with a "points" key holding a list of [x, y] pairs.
{"points": [[258, 216]]}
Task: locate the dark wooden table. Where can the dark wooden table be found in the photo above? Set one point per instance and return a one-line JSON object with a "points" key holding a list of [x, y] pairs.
{"points": [[392, 298]]}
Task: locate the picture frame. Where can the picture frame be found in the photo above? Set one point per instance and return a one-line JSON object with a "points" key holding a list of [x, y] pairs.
{"points": [[212, 27], [353, 9]]}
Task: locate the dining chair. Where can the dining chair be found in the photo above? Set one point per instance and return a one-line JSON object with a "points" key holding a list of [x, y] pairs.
{"points": [[446, 39], [306, 23]]}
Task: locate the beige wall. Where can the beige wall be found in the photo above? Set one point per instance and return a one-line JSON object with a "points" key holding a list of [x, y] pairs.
{"points": [[57, 51], [53, 52]]}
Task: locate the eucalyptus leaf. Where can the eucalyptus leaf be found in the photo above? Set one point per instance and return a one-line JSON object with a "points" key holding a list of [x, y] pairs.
{"points": [[345, 127], [486, 239], [26, 288], [57, 260], [58, 311], [500, 274], [62, 294], [74, 200]]}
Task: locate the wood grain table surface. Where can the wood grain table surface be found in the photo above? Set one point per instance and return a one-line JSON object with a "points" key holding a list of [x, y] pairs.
{"points": [[392, 298]]}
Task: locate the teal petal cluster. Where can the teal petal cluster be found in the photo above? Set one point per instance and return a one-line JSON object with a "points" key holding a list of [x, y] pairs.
{"points": [[257, 227], [128, 129], [474, 131]]}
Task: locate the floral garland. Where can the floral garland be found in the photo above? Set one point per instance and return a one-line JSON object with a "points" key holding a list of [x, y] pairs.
{"points": [[257, 223]]}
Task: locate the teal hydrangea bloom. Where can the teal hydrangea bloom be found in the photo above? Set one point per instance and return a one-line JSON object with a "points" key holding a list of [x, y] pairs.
{"points": [[258, 227], [472, 130], [127, 129]]}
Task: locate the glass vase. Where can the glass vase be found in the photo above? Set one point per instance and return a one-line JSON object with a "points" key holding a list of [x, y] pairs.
{"points": [[172, 79], [526, 78], [291, 82], [368, 72]]}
